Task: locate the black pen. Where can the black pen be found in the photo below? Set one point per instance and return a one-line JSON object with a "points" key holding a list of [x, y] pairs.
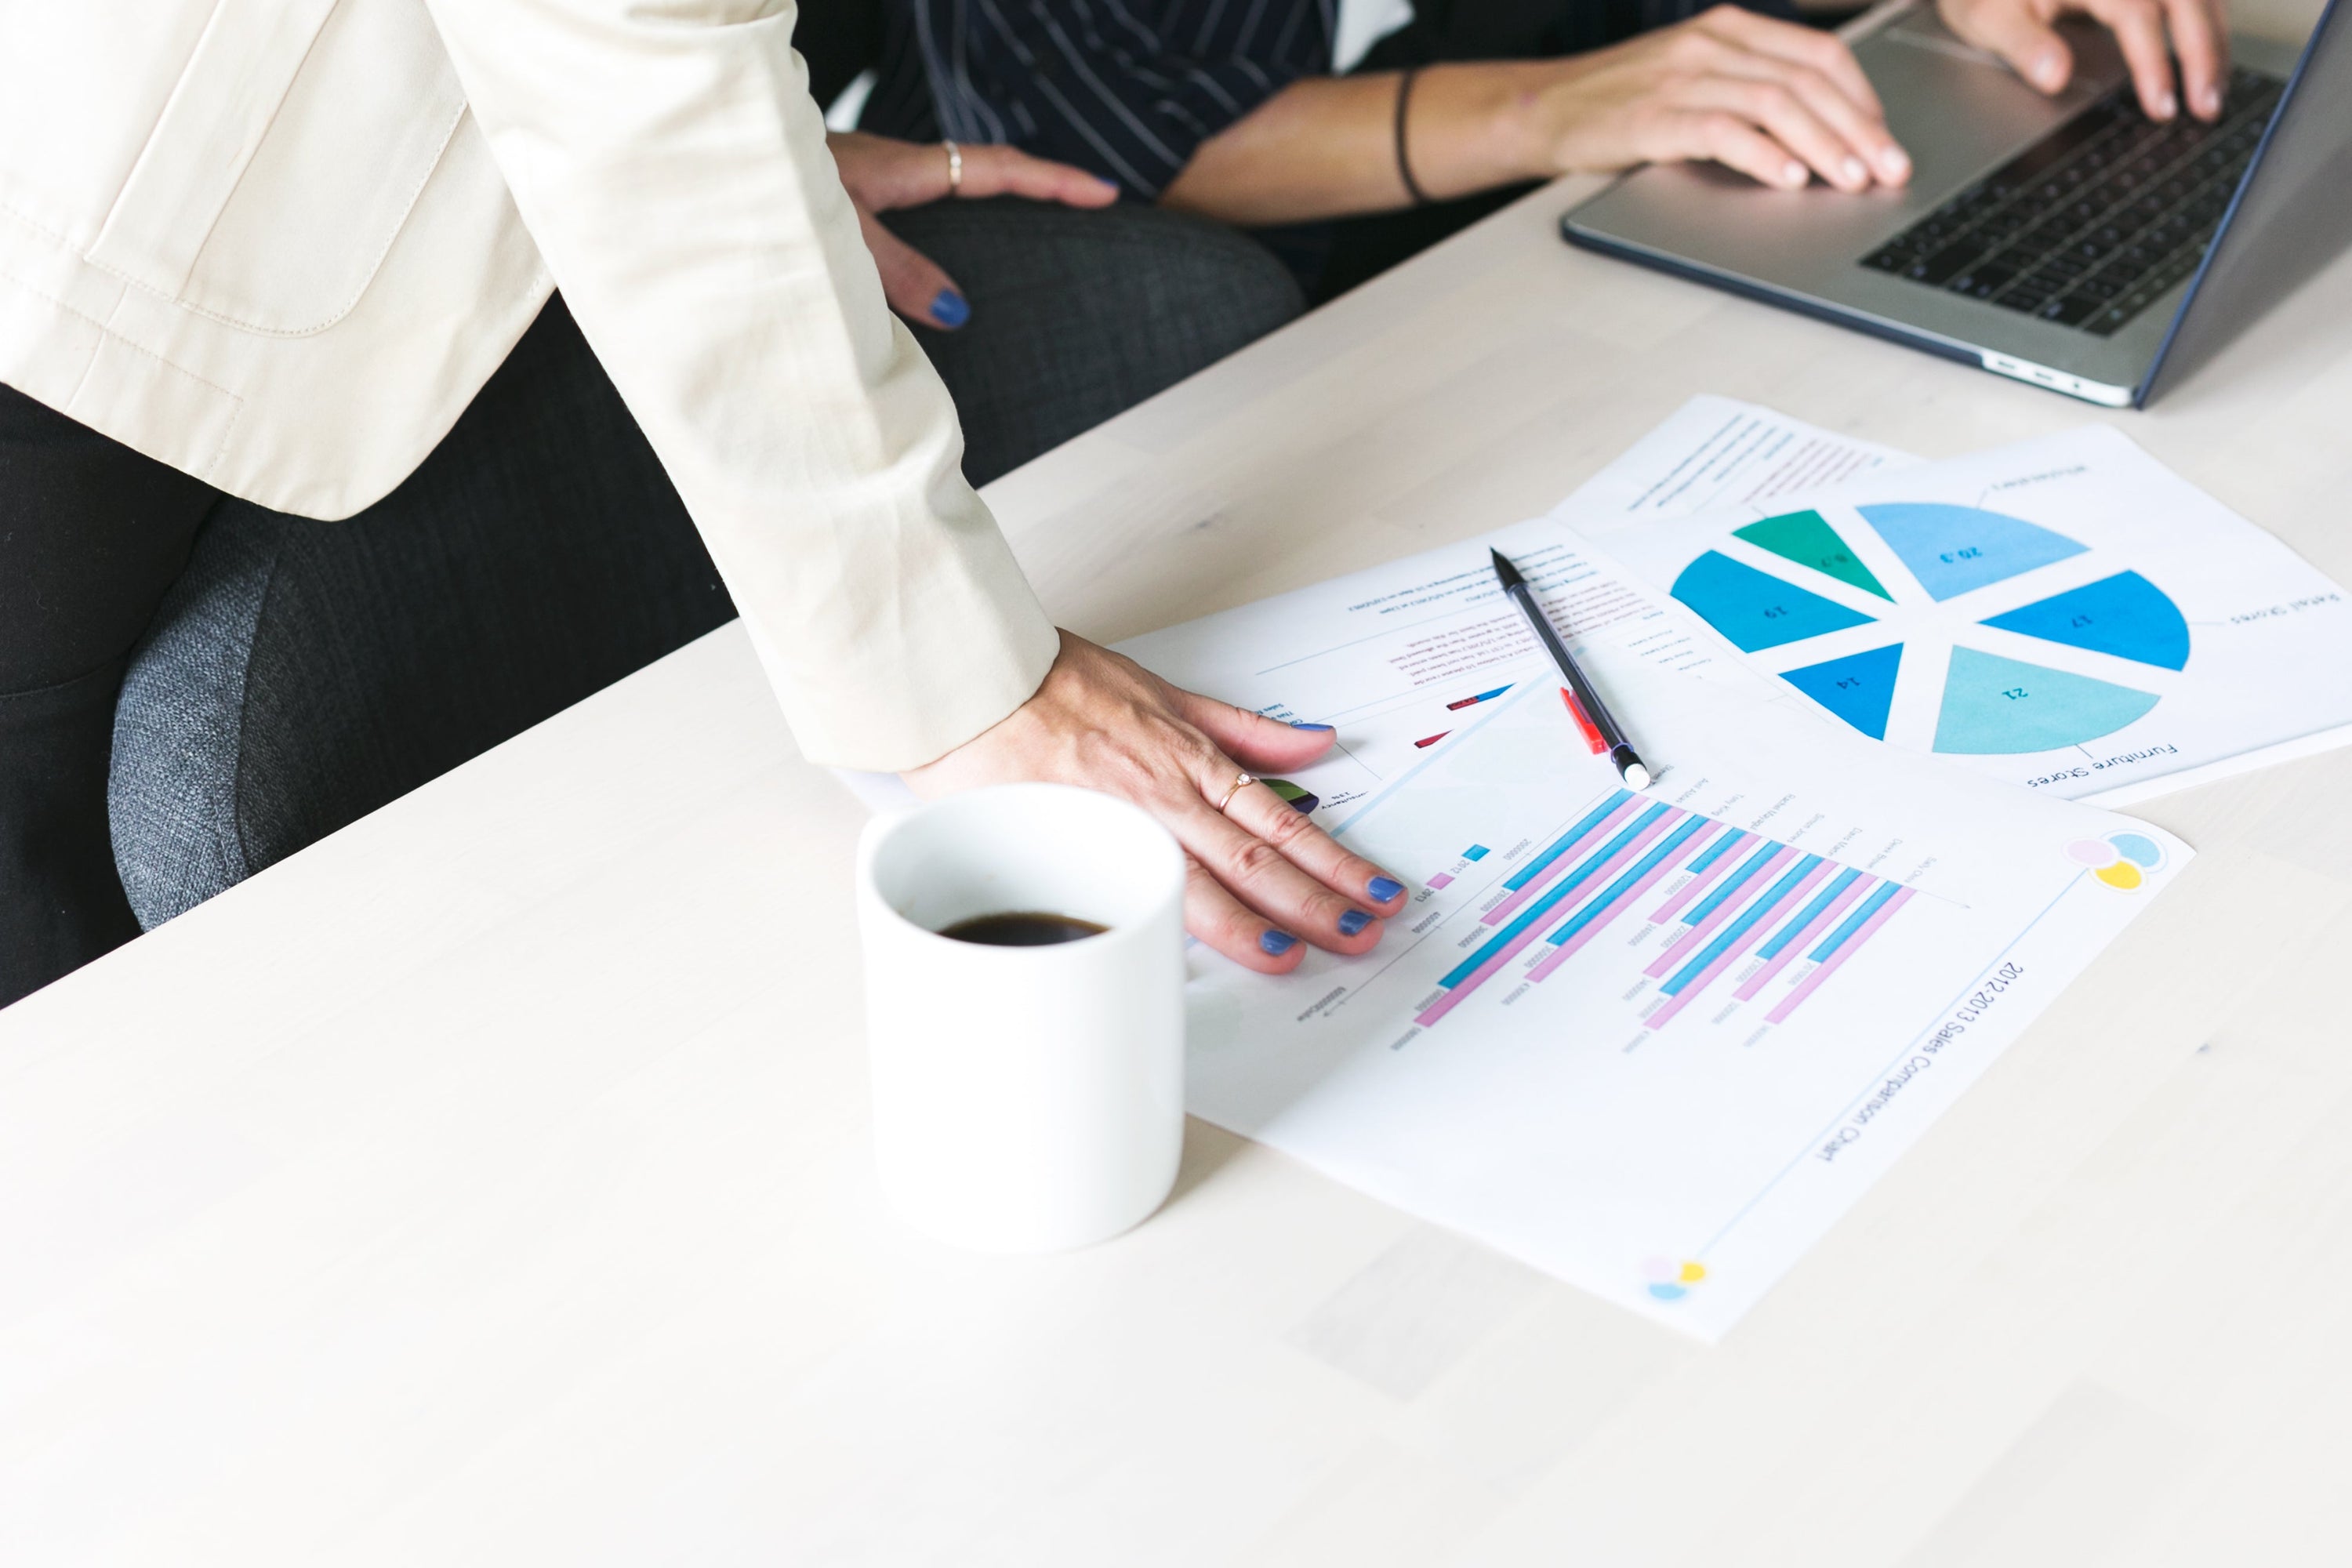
{"points": [[1629, 766]]}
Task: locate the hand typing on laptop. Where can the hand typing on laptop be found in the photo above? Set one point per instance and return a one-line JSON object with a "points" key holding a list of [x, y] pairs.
{"points": [[1782, 103], [2022, 32], [1778, 101]]}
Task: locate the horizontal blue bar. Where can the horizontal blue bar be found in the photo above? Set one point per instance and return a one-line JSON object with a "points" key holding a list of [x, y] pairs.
{"points": [[1854, 922], [1714, 851], [1809, 914], [1559, 846], [1671, 846], [1475, 852], [1740, 927], [1551, 898], [1490, 696], [1731, 884]]}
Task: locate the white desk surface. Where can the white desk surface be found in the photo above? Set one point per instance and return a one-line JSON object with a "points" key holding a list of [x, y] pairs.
{"points": [[488, 1184]]}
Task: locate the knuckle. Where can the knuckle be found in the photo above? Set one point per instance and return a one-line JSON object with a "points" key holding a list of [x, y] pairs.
{"points": [[1255, 860], [1287, 828], [1691, 50], [1230, 926], [1724, 131], [1320, 909]]}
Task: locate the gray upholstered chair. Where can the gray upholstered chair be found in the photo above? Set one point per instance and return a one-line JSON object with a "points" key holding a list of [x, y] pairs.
{"points": [[302, 674]]}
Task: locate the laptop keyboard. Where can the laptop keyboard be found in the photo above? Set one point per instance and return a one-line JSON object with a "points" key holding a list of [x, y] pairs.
{"points": [[2091, 224]]}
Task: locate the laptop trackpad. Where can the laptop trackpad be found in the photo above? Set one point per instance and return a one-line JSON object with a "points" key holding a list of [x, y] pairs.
{"points": [[1960, 113]]}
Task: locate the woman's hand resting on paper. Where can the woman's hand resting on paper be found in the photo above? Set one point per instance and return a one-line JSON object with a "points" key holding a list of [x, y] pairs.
{"points": [[1259, 876], [883, 175]]}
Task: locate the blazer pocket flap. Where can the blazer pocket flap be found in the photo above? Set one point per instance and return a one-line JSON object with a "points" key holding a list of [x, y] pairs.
{"points": [[359, 133], [213, 123], [330, 176]]}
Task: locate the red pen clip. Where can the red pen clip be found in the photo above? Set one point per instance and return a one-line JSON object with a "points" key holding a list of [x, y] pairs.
{"points": [[1591, 732]]}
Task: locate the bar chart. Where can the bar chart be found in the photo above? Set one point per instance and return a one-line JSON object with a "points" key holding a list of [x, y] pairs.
{"points": [[1738, 920]]}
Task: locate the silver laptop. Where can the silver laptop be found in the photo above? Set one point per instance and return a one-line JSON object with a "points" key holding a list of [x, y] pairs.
{"points": [[2069, 241]]}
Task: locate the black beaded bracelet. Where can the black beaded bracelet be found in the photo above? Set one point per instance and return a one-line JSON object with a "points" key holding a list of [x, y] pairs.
{"points": [[1405, 164]]}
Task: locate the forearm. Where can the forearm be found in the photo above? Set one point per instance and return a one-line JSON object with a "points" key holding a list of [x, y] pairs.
{"points": [[676, 179], [1326, 147]]}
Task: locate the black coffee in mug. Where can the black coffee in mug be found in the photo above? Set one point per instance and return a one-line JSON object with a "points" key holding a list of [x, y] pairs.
{"points": [[1023, 929]]}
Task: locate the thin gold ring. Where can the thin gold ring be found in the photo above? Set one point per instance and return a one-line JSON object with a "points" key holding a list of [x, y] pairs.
{"points": [[955, 168], [1240, 783]]}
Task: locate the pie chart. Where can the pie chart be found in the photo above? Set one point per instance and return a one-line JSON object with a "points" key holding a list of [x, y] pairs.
{"points": [[1984, 589]]}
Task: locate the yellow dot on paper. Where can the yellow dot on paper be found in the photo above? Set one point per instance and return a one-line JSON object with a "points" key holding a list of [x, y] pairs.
{"points": [[2122, 874], [1694, 1272]]}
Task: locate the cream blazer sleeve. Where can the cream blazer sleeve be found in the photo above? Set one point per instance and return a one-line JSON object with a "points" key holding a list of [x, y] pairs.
{"points": [[671, 167]]}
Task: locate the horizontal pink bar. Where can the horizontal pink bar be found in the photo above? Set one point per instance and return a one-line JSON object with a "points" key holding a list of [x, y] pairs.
{"points": [[1663, 964], [1829, 965], [1734, 953], [1442, 880], [1787, 955], [1598, 835], [1518, 945], [1698, 884], [1634, 894]]}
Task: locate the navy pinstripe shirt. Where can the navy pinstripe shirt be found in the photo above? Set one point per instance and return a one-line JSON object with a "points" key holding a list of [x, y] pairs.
{"points": [[1130, 89], [1126, 88]]}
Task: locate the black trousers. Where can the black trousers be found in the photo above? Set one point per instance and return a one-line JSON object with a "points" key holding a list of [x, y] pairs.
{"points": [[537, 554], [91, 537]]}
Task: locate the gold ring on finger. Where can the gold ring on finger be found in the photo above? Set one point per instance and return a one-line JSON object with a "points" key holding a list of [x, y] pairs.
{"points": [[955, 168], [1240, 782]]}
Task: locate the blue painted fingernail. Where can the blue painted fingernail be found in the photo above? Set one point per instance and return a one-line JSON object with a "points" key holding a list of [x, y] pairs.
{"points": [[1383, 889], [948, 309], [1295, 725], [1353, 922], [1277, 942]]}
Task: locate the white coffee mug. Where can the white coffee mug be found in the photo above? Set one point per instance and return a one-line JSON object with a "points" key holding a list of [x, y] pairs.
{"points": [[1026, 1099]]}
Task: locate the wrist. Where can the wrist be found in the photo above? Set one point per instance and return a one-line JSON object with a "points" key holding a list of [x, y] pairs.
{"points": [[1518, 123]]}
